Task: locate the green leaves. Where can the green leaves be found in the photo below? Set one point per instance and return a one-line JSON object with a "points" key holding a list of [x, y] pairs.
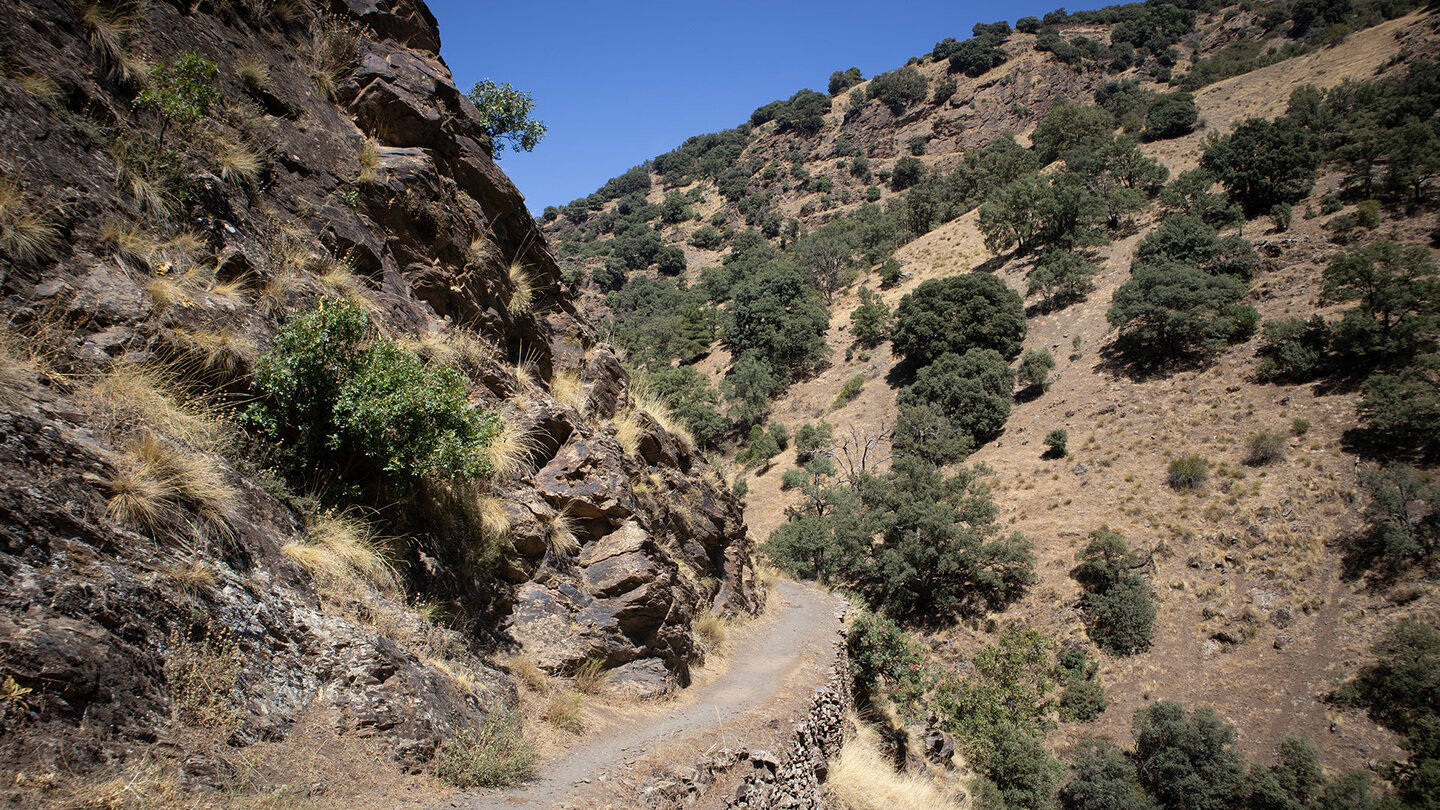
{"points": [[506, 115], [182, 91], [956, 314], [331, 393]]}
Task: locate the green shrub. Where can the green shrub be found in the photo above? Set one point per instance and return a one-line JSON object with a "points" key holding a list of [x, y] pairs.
{"points": [[812, 437], [494, 755], [1171, 116], [762, 447], [956, 314], [1082, 697], [1188, 472], [1119, 610], [1066, 125], [1292, 349], [975, 390], [884, 661], [1008, 688], [1055, 442], [1281, 215], [182, 90], [707, 237], [850, 390], [1035, 367], [1367, 213], [1300, 426], [908, 171], [870, 320], [1401, 690], [670, 260], [944, 90], [918, 144], [1263, 163], [872, 193], [890, 272], [925, 431], [505, 113], [1104, 779], [1265, 447], [1188, 761], [330, 392], [780, 434], [740, 488], [842, 80], [899, 89]]}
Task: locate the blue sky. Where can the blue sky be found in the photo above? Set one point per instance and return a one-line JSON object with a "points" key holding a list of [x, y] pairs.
{"points": [[621, 82]]}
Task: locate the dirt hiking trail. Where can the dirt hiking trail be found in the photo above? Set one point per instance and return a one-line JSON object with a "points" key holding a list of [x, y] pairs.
{"points": [[762, 662]]}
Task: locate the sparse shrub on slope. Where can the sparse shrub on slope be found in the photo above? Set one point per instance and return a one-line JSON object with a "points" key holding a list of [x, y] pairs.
{"points": [[899, 89]]}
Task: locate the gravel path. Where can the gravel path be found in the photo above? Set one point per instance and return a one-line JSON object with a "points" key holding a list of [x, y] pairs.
{"points": [[808, 618]]}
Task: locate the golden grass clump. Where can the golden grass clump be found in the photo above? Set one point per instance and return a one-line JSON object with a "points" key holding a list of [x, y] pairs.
{"points": [[239, 163], [562, 710], [25, 234], [130, 397], [369, 157], [522, 286], [213, 352], [336, 47], [344, 551], [138, 175], [110, 26], [153, 479], [560, 534], [567, 389], [712, 630], [531, 676], [511, 451], [863, 779], [191, 575], [591, 676], [649, 402], [254, 74], [42, 88]]}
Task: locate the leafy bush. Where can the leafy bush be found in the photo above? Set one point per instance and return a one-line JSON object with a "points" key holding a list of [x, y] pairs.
{"points": [[1292, 349], [1061, 277], [885, 661], [1175, 311], [1027, 25], [1187, 761], [956, 314], [899, 89], [812, 437], [1397, 292], [1170, 116], [1265, 447], [332, 393], [1300, 426], [850, 390], [182, 90], [908, 171], [925, 431], [670, 260], [1119, 610], [1104, 779], [1403, 527], [1065, 126], [975, 390], [505, 113], [870, 320], [1188, 472], [1402, 692], [842, 80], [1055, 442], [1035, 368], [707, 237], [1280, 216], [779, 316], [762, 447], [1008, 688], [494, 755], [1082, 697], [804, 112], [750, 388], [1263, 163]]}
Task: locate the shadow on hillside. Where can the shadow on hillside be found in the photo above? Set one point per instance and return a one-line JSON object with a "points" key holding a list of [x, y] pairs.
{"points": [[1116, 363], [902, 373]]}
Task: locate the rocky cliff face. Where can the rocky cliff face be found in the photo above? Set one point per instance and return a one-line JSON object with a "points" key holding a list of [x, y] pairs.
{"points": [[144, 267]]}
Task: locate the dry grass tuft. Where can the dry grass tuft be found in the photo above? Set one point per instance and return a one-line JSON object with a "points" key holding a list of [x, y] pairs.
{"points": [[530, 676], [454, 347], [522, 286], [369, 157], [591, 676], [336, 47], [863, 779], [713, 630], [512, 451], [254, 74], [239, 163], [155, 480], [567, 389], [110, 26], [42, 88], [202, 675], [221, 352], [494, 519], [135, 397], [560, 534], [25, 235], [627, 423], [562, 710], [191, 575], [138, 176], [344, 551]]}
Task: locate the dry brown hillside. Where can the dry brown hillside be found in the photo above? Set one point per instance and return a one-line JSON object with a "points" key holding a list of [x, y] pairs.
{"points": [[1256, 618]]}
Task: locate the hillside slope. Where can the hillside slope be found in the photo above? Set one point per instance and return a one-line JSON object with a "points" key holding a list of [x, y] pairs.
{"points": [[1260, 616]]}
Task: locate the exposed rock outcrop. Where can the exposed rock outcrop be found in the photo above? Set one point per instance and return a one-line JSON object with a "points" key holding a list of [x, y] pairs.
{"points": [[372, 180]]}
